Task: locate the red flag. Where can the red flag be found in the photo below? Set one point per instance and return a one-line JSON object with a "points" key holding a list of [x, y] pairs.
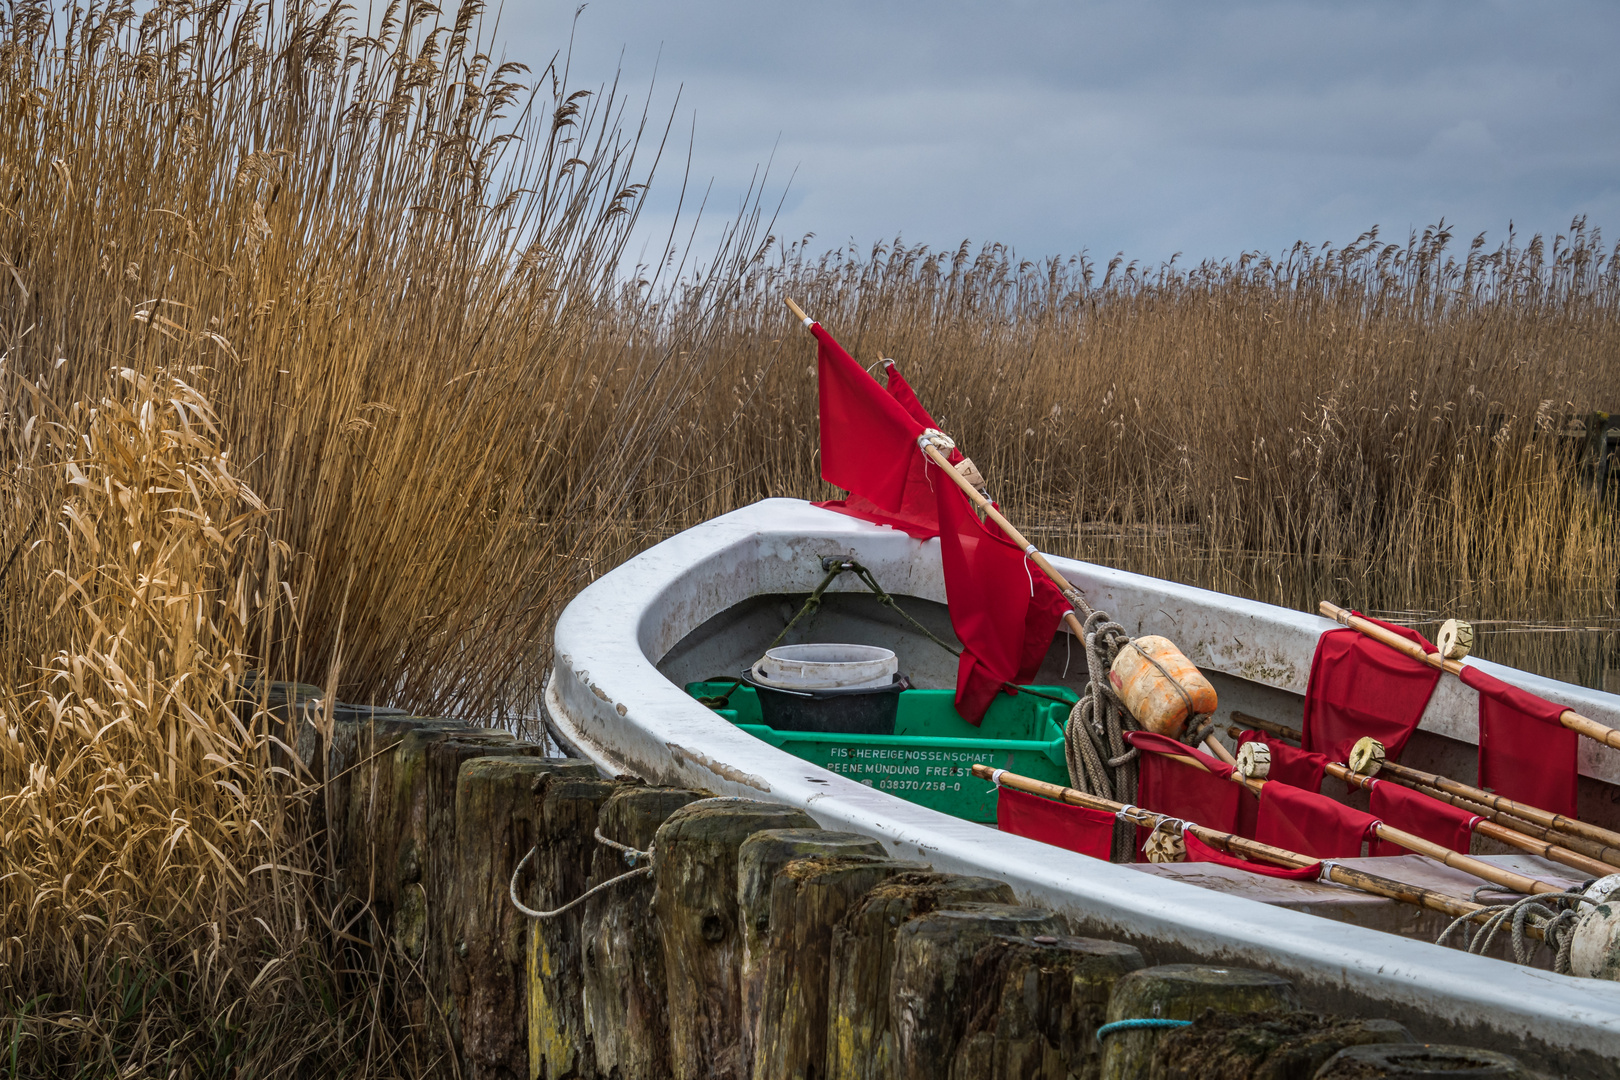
{"points": [[1417, 813], [1289, 764], [1078, 828], [1525, 754], [1198, 851], [1359, 687], [917, 513], [1309, 823], [1169, 787], [868, 439], [1003, 609]]}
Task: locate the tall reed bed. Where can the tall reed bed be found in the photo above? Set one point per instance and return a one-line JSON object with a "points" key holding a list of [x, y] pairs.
{"points": [[305, 372], [1382, 424]]}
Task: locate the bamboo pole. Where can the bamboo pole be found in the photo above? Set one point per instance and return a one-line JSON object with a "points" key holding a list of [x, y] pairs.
{"points": [[1570, 719], [1593, 840], [1252, 849], [1495, 830], [1610, 856], [1485, 871]]}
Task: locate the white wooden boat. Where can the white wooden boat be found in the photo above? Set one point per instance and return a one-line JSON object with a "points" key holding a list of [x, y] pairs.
{"points": [[709, 600]]}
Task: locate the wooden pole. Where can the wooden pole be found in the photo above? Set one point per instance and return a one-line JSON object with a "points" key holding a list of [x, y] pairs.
{"points": [[1574, 721], [1249, 849], [1605, 844], [1456, 860], [1496, 831]]}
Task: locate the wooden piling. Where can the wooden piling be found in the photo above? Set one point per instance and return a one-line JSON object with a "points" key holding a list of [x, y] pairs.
{"points": [[1421, 1061], [929, 987], [695, 901], [758, 861], [1285, 1046], [561, 872], [496, 822], [1182, 992], [625, 1002], [808, 898], [860, 1032], [1034, 1006]]}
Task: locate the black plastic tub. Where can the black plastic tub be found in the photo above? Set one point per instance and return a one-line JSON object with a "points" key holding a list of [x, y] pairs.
{"points": [[861, 711]]}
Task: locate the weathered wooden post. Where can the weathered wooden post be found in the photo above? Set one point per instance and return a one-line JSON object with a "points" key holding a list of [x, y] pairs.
{"points": [[860, 1034], [1181, 992], [625, 1005], [695, 899], [808, 898], [561, 869], [496, 821], [758, 861], [1034, 1006], [1421, 1061], [929, 986], [1285, 1046]]}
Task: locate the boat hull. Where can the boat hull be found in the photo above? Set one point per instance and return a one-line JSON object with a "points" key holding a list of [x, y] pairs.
{"points": [[609, 700]]}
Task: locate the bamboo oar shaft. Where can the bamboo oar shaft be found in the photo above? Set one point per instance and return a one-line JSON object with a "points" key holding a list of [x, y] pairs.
{"points": [[1598, 836], [1485, 871], [1496, 831], [1570, 719], [1253, 849], [989, 510], [1609, 856]]}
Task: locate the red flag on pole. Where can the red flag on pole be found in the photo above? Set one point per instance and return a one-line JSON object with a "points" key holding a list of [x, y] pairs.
{"points": [[1525, 754], [1416, 813], [1309, 823], [1003, 609], [1078, 828], [917, 513], [1359, 686], [868, 439]]}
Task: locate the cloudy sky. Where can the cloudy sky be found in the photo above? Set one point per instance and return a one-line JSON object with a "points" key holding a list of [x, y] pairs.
{"points": [[1145, 127]]}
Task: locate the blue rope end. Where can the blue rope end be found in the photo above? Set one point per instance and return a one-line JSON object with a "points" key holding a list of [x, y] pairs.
{"points": [[1132, 1025]]}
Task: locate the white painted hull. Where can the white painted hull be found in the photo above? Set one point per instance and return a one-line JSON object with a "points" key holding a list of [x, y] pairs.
{"points": [[608, 699]]}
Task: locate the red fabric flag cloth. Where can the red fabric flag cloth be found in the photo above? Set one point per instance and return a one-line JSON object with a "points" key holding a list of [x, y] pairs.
{"points": [[1525, 754], [1182, 791], [1310, 824], [1003, 609], [1078, 828], [868, 439], [1289, 764], [918, 513], [1198, 851], [1359, 687], [1293, 766], [1419, 814]]}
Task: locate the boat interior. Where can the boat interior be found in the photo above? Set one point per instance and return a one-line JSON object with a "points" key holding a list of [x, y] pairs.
{"points": [[928, 757]]}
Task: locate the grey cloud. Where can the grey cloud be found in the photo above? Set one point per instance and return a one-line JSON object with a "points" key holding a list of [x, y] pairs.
{"points": [[1148, 127]]}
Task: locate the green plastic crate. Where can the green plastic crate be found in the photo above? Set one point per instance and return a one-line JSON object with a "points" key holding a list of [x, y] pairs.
{"points": [[930, 757]]}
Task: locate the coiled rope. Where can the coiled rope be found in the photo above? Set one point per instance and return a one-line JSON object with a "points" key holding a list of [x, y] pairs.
{"points": [[1556, 923]]}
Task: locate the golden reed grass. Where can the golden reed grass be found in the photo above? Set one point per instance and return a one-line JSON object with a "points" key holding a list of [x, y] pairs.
{"points": [[319, 360], [304, 372], [1378, 424]]}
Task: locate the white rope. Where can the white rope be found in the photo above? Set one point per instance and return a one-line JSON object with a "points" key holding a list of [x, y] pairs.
{"points": [[995, 776], [631, 856], [533, 914]]}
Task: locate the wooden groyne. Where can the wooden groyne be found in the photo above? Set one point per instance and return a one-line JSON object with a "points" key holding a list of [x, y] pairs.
{"points": [[733, 938]]}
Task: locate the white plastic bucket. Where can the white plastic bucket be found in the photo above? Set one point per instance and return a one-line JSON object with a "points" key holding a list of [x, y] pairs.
{"points": [[827, 667]]}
